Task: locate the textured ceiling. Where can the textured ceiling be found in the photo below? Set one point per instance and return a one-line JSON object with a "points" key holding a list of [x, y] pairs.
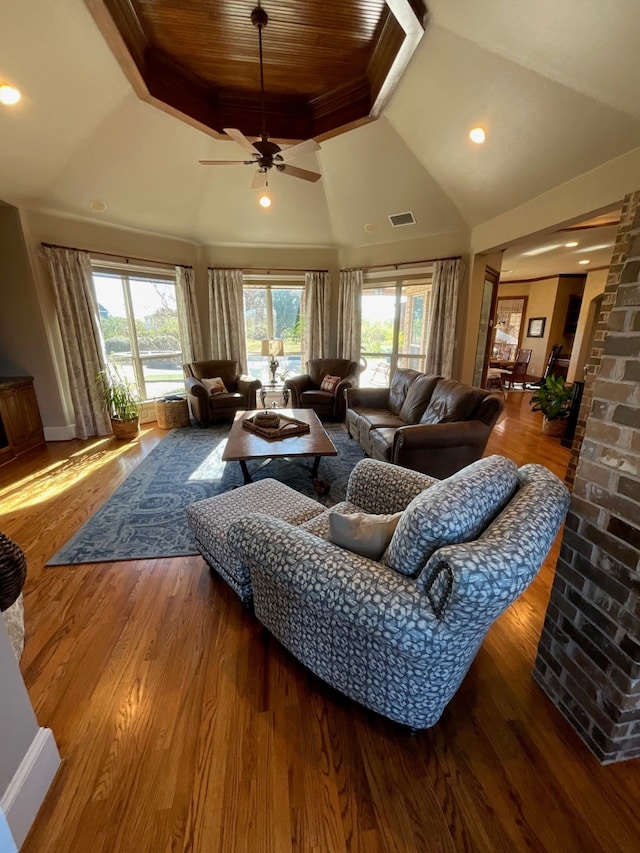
{"points": [[555, 85]]}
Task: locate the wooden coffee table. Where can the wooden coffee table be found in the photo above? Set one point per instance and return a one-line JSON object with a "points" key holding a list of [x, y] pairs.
{"points": [[244, 446]]}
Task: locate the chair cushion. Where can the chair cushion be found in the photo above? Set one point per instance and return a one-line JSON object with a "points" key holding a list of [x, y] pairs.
{"points": [[418, 396], [452, 401], [452, 511], [402, 379], [362, 533], [215, 385], [330, 383]]}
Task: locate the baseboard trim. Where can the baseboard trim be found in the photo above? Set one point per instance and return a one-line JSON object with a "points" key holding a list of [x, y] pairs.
{"points": [[64, 433], [27, 790]]}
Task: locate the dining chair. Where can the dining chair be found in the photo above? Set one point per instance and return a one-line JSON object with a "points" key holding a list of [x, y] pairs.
{"points": [[518, 373]]}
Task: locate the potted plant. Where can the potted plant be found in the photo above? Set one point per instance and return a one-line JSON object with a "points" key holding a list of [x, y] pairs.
{"points": [[120, 402], [553, 399]]}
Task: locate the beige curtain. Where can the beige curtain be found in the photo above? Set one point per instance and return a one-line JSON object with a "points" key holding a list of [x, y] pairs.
{"points": [[188, 317], [349, 314], [226, 315], [316, 328], [441, 328], [77, 311]]}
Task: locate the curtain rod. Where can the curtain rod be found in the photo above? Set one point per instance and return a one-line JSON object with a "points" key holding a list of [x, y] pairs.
{"points": [[401, 264], [265, 270], [124, 258]]}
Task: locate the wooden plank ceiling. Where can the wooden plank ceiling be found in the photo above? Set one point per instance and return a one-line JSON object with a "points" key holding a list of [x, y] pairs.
{"points": [[327, 63]]}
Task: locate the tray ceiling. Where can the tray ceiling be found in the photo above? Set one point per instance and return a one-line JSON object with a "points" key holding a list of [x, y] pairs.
{"points": [[328, 65]]}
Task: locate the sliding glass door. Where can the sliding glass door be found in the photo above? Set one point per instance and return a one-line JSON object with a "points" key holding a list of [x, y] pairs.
{"points": [[139, 322], [395, 315]]}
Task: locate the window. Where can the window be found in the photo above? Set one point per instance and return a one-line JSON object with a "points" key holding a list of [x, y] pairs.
{"points": [[507, 330], [139, 321], [395, 313], [274, 310]]}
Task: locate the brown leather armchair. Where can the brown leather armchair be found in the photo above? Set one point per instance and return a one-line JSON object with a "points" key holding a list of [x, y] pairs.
{"points": [[305, 389], [206, 407]]}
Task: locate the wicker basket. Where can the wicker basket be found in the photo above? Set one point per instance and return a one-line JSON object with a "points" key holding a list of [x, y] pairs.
{"points": [[172, 413], [13, 571]]}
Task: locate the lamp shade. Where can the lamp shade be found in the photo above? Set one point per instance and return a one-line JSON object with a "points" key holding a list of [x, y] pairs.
{"points": [[273, 347]]}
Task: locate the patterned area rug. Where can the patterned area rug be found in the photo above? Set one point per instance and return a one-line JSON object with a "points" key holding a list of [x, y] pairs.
{"points": [[145, 518]]}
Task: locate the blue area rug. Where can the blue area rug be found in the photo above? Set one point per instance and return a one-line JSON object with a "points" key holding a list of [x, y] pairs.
{"points": [[145, 517]]}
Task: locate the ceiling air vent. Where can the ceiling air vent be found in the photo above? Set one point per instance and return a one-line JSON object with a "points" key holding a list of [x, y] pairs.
{"points": [[398, 219]]}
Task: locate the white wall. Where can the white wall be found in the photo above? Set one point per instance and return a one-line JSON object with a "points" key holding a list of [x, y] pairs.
{"points": [[594, 287], [28, 754]]}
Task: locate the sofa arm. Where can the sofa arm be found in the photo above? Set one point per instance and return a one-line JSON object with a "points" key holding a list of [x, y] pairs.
{"points": [[382, 488], [440, 449], [196, 389], [248, 385], [375, 599], [297, 385], [367, 398]]}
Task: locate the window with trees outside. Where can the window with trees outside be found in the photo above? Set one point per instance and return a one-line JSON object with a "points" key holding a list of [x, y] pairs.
{"points": [[507, 329], [139, 321], [395, 312], [274, 310]]}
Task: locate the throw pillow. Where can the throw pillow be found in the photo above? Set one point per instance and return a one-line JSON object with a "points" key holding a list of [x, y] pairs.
{"points": [[452, 511], [214, 386], [330, 383], [367, 535]]}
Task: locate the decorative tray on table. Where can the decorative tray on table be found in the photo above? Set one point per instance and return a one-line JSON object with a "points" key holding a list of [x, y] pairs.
{"points": [[272, 426]]}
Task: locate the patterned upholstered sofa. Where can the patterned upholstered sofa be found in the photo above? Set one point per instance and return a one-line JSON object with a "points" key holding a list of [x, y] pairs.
{"points": [[423, 422], [399, 633]]}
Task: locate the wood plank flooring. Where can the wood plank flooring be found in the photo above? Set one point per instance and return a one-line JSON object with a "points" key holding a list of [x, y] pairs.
{"points": [[184, 727]]}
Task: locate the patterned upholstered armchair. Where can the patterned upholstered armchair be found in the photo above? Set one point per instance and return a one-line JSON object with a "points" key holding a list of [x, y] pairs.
{"points": [[399, 633]]}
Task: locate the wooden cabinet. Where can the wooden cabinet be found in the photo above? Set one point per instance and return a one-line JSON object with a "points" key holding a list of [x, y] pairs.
{"points": [[20, 423]]}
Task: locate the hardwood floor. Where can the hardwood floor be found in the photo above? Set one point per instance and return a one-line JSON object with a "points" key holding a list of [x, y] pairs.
{"points": [[184, 727]]}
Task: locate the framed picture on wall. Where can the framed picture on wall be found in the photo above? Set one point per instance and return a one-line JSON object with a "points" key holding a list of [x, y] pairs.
{"points": [[535, 329]]}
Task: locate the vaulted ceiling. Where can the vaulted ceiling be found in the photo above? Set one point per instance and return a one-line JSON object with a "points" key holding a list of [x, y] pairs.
{"points": [[554, 84]]}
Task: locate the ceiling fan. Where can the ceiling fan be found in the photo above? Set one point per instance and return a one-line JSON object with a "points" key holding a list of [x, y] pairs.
{"points": [[267, 155]]}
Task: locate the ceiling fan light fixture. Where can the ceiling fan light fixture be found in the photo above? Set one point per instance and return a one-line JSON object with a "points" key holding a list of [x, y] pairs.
{"points": [[266, 154], [477, 135], [264, 200]]}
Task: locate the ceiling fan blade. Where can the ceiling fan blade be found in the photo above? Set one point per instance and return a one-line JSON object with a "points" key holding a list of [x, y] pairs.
{"points": [[241, 139], [225, 162], [296, 172], [298, 150], [259, 180]]}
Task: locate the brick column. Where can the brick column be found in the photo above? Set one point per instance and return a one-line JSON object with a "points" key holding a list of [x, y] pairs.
{"points": [[588, 659]]}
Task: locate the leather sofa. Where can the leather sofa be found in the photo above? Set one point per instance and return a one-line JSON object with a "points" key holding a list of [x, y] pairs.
{"points": [[306, 392], [423, 422], [207, 407]]}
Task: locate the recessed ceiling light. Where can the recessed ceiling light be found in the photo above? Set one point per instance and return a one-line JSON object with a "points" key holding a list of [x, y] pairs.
{"points": [[370, 227], [98, 205], [9, 95], [584, 262], [571, 245], [477, 135]]}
